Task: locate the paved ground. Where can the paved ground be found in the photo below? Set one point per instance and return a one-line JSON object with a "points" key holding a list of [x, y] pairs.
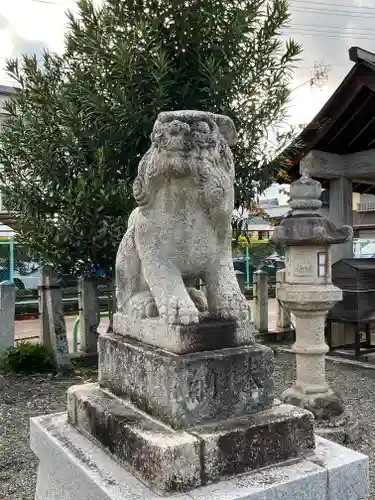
{"points": [[31, 327], [24, 397]]}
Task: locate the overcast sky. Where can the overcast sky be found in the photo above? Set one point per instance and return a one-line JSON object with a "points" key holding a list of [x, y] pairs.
{"points": [[326, 30]]}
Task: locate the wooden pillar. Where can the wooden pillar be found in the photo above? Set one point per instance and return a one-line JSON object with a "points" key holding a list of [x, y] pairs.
{"points": [[341, 213]]}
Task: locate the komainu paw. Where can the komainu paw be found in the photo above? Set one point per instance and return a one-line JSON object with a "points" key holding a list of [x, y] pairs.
{"points": [[178, 311]]}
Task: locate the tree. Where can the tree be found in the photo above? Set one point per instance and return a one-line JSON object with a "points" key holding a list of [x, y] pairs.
{"points": [[81, 121]]}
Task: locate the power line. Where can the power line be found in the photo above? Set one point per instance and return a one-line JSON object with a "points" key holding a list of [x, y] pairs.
{"points": [[330, 35], [359, 7], [50, 3], [351, 34], [325, 27], [311, 10], [323, 63], [306, 9], [343, 13]]}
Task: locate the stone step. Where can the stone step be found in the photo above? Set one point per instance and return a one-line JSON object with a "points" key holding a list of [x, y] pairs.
{"points": [[169, 460]]}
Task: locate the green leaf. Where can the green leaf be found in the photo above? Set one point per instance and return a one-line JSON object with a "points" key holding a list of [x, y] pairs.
{"points": [[80, 122]]}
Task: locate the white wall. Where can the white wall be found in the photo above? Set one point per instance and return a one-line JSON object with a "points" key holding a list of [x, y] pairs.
{"points": [[3, 98], [6, 230]]}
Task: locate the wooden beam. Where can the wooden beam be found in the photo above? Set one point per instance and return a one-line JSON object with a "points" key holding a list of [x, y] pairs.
{"points": [[348, 122], [332, 111], [324, 165], [360, 132], [8, 219], [341, 213], [359, 182]]}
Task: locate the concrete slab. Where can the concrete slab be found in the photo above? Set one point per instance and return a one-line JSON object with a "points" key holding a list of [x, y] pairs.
{"points": [[347, 470], [73, 467]]}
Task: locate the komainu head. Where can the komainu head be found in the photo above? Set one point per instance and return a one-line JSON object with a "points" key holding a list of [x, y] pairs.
{"points": [[187, 144]]}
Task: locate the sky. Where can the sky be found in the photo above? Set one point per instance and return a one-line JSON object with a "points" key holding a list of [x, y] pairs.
{"points": [[326, 30]]}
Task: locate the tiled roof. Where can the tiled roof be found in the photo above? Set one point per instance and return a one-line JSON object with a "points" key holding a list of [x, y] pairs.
{"points": [[345, 124], [275, 212], [268, 202], [6, 90]]}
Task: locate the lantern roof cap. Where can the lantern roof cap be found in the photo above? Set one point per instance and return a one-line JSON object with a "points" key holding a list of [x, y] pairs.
{"points": [[304, 224]]}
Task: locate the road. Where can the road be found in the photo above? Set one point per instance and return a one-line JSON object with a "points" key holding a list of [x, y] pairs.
{"points": [[31, 327]]}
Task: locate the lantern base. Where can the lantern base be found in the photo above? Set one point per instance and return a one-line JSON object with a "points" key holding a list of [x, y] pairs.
{"points": [[332, 421]]}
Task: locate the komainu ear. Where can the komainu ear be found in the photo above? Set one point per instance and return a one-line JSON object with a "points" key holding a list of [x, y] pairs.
{"points": [[226, 128]]}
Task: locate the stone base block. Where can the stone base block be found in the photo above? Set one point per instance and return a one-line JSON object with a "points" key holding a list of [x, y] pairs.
{"points": [[207, 335], [71, 466], [172, 461], [188, 389], [168, 460], [267, 438]]}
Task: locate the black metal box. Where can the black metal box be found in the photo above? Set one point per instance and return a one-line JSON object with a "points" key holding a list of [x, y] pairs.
{"points": [[356, 278]]}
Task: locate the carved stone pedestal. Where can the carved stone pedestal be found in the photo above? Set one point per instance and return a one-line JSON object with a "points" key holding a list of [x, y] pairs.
{"points": [[188, 389], [181, 421], [206, 335]]}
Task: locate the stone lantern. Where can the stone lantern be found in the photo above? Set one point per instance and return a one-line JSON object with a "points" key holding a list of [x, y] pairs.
{"points": [[308, 291]]}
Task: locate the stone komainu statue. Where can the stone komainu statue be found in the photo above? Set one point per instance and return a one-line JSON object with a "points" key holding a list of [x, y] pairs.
{"points": [[181, 230]]}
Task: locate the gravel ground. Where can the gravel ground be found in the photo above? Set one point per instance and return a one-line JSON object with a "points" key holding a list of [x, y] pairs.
{"points": [[22, 397], [25, 397]]}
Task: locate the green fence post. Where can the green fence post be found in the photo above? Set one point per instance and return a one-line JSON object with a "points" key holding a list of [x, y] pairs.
{"points": [[103, 314], [247, 267], [75, 335], [11, 260]]}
